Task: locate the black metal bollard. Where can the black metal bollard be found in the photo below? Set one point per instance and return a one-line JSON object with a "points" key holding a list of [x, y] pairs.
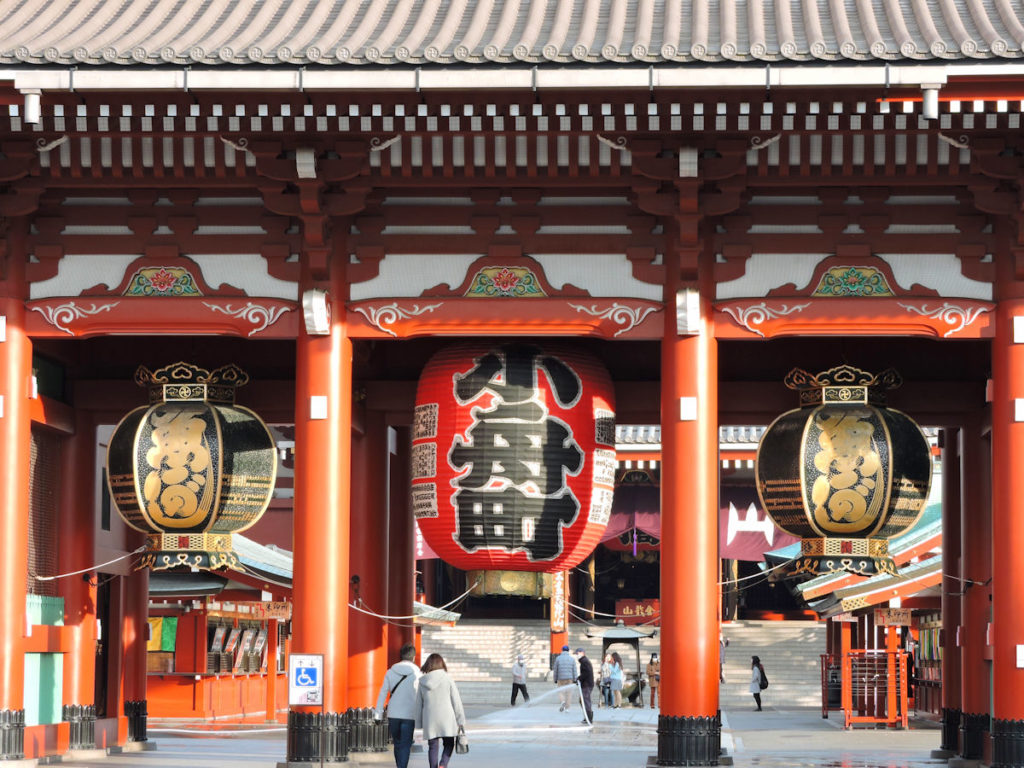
{"points": [[310, 734], [82, 725], [689, 740], [137, 713], [950, 730], [12, 734], [972, 732], [1007, 743]]}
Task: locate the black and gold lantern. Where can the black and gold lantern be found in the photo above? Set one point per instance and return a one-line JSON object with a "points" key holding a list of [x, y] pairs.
{"points": [[192, 468], [843, 472]]}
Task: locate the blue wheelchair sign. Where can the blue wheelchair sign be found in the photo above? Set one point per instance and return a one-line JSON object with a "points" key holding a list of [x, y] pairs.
{"points": [[305, 679]]}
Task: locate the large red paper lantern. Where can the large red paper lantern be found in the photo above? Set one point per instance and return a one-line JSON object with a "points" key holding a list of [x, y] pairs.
{"points": [[513, 456]]}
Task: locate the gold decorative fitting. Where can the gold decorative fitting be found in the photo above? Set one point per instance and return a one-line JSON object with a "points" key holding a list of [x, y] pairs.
{"points": [[843, 384], [185, 381]]}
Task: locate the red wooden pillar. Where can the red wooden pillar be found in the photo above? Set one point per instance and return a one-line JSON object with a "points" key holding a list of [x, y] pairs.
{"points": [[272, 651], [975, 572], [76, 548], [323, 433], [15, 441], [134, 636], [689, 731], [1007, 534], [368, 549], [401, 556], [951, 439]]}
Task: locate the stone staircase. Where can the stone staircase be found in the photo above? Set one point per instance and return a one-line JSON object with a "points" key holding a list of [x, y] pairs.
{"points": [[479, 654]]}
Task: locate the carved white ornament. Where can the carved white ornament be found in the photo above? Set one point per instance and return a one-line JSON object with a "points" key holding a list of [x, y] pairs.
{"points": [[389, 314], [620, 314], [950, 314], [258, 315], [753, 316], [66, 313]]}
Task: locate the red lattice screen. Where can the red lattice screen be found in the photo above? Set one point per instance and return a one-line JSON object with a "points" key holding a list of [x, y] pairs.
{"points": [[42, 512]]}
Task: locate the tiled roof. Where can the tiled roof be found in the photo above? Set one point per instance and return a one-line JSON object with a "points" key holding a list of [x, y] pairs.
{"points": [[229, 33]]}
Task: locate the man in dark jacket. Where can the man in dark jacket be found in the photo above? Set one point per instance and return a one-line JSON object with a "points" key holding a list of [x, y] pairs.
{"points": [[586, 679]]}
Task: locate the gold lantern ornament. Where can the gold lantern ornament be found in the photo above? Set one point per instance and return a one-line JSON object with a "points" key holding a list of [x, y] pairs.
{"points": [[843, 472], [191, 468]]}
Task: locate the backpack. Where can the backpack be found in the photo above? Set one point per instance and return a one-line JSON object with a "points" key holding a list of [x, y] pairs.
{"points": [[764, 679]]}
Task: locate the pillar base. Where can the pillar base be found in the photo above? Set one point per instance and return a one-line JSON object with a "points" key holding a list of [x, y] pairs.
{"points": [[950, 731], [137, 714], [314, 738], [941, 754], [1007, 743], [12, 734], [972, 735], [82, 728], [366, 734], [963, 762], [689, 740], [132, 746]]}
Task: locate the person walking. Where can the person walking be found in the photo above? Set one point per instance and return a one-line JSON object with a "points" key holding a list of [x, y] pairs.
{"points": [[586, 678], [398, 694], [616, 677], [519, 680], [606, 681], [439, 711], [654, 677], [565, 673], [723, 643], [756, 675]]}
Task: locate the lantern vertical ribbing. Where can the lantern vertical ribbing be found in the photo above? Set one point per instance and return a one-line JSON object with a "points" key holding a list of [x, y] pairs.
{"points": [[76, 546], [368, 552], [952, 439], [976, 569], [323, 427], [15, 441], [1007, 533], [688, 729]]}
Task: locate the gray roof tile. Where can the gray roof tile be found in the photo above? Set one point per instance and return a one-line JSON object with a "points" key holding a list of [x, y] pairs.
{"points": [[507, 32]]}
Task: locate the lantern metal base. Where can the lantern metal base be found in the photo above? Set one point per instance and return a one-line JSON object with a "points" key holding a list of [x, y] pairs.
{"points": [[207, 551], [822, 565]]}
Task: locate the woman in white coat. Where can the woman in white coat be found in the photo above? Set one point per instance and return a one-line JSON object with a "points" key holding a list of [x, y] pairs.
{"points": [[438, 710], [755, 680]]}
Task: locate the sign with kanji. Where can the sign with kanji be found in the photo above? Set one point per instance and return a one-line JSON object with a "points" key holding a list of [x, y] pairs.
{"points": [[513, 456], [639, 611], [892, 617]]}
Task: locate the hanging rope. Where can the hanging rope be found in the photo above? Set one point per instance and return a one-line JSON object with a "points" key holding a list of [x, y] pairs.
{"points": [[91, 567], [382, 616]]}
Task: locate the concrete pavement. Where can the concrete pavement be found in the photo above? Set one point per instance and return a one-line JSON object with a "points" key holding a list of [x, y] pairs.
{"points": [[546, 738]]}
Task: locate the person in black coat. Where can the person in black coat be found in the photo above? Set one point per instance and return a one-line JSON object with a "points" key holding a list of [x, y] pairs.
{"points": [[586, 679]]}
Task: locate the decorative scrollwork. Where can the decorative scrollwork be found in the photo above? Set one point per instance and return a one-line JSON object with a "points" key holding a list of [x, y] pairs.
{"points": [[258, 315], [66, 313], [378, 144], [753, 316], [619, 142], [757, 143], [950, 314], [961, 142], [241, 145], [620, 314], [389, 314], [42, 145]]}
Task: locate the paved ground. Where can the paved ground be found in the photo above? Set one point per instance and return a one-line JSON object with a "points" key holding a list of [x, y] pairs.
{"points": [[542, 737]]}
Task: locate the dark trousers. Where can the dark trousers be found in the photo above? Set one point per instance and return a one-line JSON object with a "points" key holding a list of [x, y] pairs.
{"points": [[757, 698], [446, 753], [588, 692], [401, 734], [516, 688]]}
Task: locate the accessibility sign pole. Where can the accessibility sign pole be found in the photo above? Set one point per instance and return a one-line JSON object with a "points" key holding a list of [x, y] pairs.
{"points": [[306, 686]]}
